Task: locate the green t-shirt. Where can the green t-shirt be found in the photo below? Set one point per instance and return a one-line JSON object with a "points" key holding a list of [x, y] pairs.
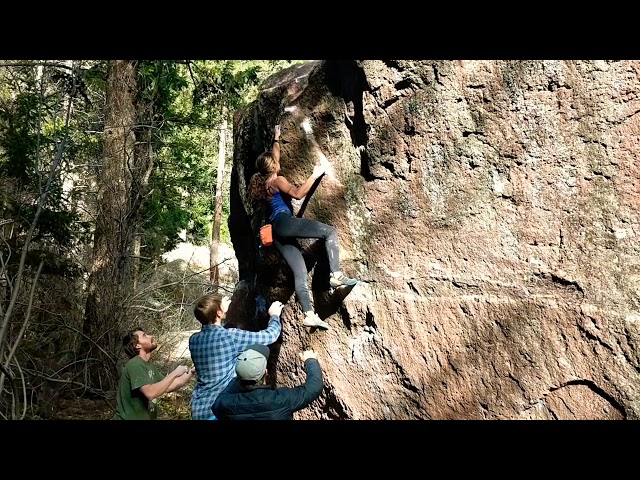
{"points": [[131, 404]]}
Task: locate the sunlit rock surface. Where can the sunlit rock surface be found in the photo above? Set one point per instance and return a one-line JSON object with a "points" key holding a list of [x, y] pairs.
{"points": [[490, 209]]}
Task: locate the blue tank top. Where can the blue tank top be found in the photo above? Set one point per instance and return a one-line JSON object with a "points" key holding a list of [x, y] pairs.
{"points": [[277, 205]]}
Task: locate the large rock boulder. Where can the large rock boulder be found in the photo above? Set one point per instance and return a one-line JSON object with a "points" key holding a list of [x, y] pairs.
{"points": [[490, 209]]}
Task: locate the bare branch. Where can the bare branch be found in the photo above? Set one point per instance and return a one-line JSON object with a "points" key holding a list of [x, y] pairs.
{"points": [[26, 320], [25, 248], [91, 340], [65, 381], [163, 309], [24, 391], [14, 390], [36, 64]]}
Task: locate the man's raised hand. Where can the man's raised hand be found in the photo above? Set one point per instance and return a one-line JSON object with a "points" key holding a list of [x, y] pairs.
{"points": [[276, 308]]}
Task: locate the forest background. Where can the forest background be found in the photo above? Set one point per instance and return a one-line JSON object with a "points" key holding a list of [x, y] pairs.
{"points": [[105, 166]]}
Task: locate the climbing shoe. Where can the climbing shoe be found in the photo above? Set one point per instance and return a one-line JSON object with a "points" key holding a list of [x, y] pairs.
{"points": [[313, 320], [341, 280]]}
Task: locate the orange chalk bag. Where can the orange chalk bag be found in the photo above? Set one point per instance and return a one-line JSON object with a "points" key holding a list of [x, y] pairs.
{"points": [[266, 235]]}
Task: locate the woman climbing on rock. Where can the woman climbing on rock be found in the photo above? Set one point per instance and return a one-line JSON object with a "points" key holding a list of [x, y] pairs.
{"points": [[266, 185]]}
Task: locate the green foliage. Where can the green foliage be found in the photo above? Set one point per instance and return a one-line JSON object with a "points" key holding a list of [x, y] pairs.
{"points": [[54, 110], [182, 102], [31, 132], [231, 83], [160, 83], [18, 138], [188, 99], [224, 83]]}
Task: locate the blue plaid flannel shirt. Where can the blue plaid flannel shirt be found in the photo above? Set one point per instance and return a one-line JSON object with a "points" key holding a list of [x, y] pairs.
{"points": [[214, 351]]}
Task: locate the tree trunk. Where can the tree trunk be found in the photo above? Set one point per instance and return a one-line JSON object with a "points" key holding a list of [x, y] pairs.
{"points": [[214, 272], [141, 171], [113, 237]]}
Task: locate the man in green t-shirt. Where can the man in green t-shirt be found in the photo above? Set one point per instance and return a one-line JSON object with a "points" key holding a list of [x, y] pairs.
{"points": [[141, 383]]}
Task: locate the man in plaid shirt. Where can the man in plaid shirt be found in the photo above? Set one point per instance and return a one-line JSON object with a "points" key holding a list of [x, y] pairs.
{"points": [[215, 349]]}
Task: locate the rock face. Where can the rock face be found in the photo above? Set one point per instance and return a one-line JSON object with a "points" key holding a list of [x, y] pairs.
{"points": [[490, 209]]}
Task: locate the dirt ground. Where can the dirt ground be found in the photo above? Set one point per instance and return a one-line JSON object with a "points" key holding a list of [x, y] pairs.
{"points": [[82, 409], [173, 406]]}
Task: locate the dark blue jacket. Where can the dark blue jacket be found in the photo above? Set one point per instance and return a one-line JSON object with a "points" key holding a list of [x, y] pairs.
{"points": [[265, 402]]}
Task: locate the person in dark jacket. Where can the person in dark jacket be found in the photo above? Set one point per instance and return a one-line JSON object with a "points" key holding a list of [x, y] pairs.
{"points": [[247, 397]]}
